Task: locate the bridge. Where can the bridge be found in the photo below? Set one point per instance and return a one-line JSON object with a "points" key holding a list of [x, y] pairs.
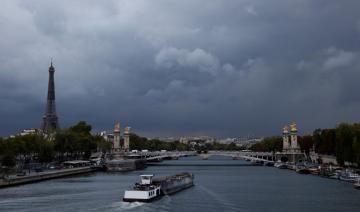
{"points": [[157, 156], [256, 157]]}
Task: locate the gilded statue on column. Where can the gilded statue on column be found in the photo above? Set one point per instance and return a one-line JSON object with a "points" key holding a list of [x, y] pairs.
{"points": [[293, 126], [127, 130], [117, 127]]}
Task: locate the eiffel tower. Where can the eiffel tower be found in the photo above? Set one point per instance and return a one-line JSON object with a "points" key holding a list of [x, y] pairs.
{"points": [[50, 119]]}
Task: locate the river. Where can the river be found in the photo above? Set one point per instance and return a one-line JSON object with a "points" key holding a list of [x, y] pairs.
{"points": [[221, 184]]}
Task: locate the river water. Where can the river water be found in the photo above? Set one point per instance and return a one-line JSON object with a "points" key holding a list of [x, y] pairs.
{"points": [[221, 184]]}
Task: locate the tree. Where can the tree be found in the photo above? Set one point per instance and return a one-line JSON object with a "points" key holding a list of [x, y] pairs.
{"points": [[82, 128], [317, 139], [344, 139], [77, 142], [269, 144], [306, 143], [356, 149], [46, 151], [8, 160], [101, 144]]}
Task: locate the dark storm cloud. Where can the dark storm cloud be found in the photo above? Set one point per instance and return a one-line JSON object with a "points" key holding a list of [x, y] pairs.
{"points": [[234, 67]]}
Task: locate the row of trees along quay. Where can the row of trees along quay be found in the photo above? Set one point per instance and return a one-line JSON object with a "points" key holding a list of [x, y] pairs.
{"points": [[342, 142], [76, 142]]}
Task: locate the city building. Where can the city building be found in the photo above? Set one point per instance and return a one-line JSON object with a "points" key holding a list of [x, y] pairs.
{"points": [[31, 131], [197, 139]]}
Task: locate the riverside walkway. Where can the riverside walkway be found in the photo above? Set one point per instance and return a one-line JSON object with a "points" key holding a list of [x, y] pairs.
{"points": [[13, 180]]}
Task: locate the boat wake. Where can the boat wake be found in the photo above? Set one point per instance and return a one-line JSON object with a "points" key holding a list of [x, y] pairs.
{"points": [[161, 205], [127, 205]]}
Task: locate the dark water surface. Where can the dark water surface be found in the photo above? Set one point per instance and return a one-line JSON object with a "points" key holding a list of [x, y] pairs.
{"points": [[234, 187]]}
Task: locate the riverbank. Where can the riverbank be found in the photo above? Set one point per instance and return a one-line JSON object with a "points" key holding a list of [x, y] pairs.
{"points": [[14, 180]]}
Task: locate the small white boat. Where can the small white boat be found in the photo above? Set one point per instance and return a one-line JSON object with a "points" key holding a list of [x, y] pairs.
{"points": [[277, 164], [145, 191], [349, 176], [280, 165]]}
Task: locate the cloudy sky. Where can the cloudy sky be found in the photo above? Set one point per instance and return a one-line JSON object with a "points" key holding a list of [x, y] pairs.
{"points": [[190, 67]]}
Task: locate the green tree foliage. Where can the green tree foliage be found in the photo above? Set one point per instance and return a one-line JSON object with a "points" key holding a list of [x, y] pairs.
{"points": [[25, 148], [343, 142], [77, 142], [325, 141], [137, 142], [101, 144], [73, 143], [8, 159], [269, 144], [306, 143], [347, 139]]}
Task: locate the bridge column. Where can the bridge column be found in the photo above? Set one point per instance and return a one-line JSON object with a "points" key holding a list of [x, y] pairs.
{"points": [[126, 146]]}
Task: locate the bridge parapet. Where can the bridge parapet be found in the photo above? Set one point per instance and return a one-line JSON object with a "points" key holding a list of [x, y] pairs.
{"points": [[268, 156]]}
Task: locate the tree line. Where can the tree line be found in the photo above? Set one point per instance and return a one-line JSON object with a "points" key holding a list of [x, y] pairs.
{"points": [[76, 142], [275, 144], [342, 142]]}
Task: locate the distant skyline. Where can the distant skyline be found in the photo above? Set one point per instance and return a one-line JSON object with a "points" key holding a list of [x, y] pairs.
{"points": [[172, 68]]}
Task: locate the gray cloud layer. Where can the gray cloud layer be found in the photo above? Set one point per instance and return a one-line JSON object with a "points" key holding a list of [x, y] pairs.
{"points": [[234, 67]]}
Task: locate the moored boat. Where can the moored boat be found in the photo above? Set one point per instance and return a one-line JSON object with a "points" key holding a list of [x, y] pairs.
{"points": [[235, 157], [349, 176], [257, 162], [269, 163], [277, 164], [280, 165], [291, 166], [314, 170], [283, 166], [175, 157], [307, 168], [330, 171], [357, 184], [302, 170]]}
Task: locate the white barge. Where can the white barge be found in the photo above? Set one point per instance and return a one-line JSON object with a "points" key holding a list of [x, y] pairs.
{"points": [[151, 189], [145, 191]]}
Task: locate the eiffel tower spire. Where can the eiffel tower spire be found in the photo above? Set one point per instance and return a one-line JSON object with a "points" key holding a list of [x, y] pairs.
{"points": [[50, 119]]}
